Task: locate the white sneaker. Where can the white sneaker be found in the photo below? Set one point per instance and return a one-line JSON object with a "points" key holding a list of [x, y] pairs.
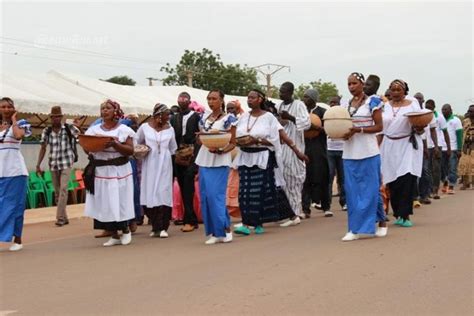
{"points": [[350, 236], [238, 225], [381, 231], [291, 222], [163, 234], [344, 208], [126, 238], [227, 238], [328, 214], [316, 205], [153, 234], [212, 240], [15, 247], [112, 242]]}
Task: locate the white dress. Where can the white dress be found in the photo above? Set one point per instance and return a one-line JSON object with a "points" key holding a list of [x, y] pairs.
{"points": [[156, 186], [113, 198], [398, 155]]}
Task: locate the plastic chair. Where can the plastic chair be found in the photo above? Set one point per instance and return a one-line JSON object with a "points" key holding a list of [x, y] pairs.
{"points": [[49, 193], [47, 176], [80, 189], [35, 191], [34, 177]]}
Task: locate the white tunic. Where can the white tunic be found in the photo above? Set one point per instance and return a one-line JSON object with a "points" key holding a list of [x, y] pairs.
{"points": [[113, 198], [207, 159], [362, 145], [398, 155], [266, 126], [156, 186], [12, 163]]}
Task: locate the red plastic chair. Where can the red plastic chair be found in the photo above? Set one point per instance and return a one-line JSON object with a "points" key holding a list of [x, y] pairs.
{"points": [[81, 188]]}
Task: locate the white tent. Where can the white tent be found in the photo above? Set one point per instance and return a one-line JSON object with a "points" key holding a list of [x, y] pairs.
{"points": [[81, 96]]}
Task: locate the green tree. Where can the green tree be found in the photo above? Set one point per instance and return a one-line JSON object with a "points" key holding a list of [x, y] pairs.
{"points": [[207, 71], [326, 90], [123, 80]]}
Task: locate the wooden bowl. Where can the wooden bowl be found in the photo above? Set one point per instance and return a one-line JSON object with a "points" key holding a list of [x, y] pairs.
{"points": [[94, 143], [243, 140], [315, 122], [215, 140], [420, 118]]}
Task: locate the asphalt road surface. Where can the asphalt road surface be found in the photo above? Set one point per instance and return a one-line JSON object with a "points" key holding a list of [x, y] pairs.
{"points": [[302, 270]]}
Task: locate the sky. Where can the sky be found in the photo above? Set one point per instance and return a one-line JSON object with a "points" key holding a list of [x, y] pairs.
{"points": [[427, 44]]}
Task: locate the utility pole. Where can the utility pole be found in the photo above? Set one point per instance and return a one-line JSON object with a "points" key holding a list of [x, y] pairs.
{"points": [[150, 80], [271, 69], [189, 75]]}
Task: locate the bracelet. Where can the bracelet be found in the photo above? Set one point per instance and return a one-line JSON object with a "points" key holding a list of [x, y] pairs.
{"points": [[292, 145]]}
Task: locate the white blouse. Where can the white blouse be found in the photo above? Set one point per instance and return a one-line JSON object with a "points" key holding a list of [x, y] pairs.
{"points": [[267, 127], [12, 163], [362, 145], [207, 159]]}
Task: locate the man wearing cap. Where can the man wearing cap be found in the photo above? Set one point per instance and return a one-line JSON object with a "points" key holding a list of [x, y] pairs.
{"points": [[61, 139]]}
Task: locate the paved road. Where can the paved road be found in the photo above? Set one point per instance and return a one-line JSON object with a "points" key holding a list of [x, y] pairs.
{"points": [[304, 270]]}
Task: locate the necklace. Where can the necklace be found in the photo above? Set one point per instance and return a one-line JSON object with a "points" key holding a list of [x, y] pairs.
{"points": [[394, 113], [249, 128], [353, 109], [158, 141], [211, 122]]}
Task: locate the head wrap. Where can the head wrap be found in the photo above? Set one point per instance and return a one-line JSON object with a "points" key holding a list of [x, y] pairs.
{"points": [[195, 106], [238, 106], [358, 76], [402, 84], [159, 108], [118, 113], [313, 94]]}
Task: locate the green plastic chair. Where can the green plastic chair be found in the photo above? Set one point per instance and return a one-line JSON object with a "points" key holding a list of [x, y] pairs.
{"points": [[47, 176], [35, 191], [49, 193], [34, 178]]}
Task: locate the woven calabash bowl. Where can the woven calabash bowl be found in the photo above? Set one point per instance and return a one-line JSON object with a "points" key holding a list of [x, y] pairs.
{"points": [[215, 140], [141, 151]]}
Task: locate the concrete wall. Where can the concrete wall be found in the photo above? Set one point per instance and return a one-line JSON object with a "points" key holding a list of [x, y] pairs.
{"points": [[30, 153]]}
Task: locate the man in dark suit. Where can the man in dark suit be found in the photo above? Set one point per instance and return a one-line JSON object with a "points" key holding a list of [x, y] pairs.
{"points": [[186, 125]]}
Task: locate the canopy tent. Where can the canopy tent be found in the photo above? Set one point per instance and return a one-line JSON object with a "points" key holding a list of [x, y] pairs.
{"points": [[80, 96]]}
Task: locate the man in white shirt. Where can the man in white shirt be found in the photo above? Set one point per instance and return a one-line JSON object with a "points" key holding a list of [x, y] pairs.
{"points": [[455, 132], [437, 147], [335, 147]]}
